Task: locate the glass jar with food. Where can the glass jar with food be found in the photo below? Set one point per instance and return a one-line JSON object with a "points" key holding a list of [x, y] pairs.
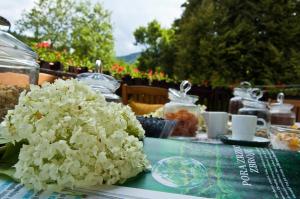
{"points": [[285, 138], [258, 108], [183, 109], [18, 69], [282, 114], [239, 93]]}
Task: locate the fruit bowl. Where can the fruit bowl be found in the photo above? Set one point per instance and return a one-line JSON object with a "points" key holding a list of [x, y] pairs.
{"points": [[285, 138], [157, 127]]}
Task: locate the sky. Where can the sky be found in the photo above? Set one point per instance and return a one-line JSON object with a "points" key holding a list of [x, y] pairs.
{"points": [[126, 16]]}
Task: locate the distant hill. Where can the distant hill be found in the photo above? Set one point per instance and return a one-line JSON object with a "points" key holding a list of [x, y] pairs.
{"points": [[131, 58]]}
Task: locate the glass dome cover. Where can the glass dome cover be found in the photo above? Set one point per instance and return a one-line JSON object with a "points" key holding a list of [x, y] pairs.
{"points": [[100, 82], [253, 102], [242, 90], [280, 106], [181, 96], [13, 48], [18, 58]]}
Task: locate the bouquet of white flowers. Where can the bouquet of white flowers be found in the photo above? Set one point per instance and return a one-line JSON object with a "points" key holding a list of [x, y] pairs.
{"points": [[73, 137]]}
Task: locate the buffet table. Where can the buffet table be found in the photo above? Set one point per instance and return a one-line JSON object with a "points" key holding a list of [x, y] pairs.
{"points": [[183, 169]]}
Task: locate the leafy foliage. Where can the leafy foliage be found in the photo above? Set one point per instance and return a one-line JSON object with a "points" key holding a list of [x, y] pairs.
{"points": [[158, 45], [49, 20], [81, 28], [234, 40], [225, 42], [92, 33]]}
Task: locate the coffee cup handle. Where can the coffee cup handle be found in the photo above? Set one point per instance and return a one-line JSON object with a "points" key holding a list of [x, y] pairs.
{"points": [[264, 123]]}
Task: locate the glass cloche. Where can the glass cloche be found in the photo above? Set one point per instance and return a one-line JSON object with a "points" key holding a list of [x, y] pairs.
{"points": [[18, 69], [100, 82]]}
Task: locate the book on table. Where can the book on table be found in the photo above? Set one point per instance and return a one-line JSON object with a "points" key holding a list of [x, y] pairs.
{"points": [[183, 169]]}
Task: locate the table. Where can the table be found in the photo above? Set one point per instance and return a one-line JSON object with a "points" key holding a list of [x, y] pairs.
{"points": [[210, 171]]}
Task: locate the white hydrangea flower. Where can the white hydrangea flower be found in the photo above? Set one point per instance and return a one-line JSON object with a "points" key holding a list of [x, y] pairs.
{"points": [[75, 138]]}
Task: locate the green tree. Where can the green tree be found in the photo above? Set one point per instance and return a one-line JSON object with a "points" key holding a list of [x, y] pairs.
{"points": [[233, 40], [158, 47], [92, 33], [49, 20], [78, 26]]}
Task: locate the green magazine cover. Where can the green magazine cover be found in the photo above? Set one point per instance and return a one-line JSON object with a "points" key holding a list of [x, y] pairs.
{"points": [[219, 171], [188, 170]]}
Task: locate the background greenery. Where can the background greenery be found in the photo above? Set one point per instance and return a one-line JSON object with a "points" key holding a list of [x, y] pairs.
{"points": [[225, 42], [79, 31], [216, 42]]}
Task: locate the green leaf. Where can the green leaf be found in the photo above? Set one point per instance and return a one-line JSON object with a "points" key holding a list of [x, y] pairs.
{"points": [[3, 141], [9, 172], [11, 154]]}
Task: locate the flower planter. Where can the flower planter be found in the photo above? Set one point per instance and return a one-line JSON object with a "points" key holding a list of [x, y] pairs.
{"points": [[78, 70], [127, 79], [161, 84], [141, 81], [82, 69], [72, 69], [44, 64], [56, 66]]}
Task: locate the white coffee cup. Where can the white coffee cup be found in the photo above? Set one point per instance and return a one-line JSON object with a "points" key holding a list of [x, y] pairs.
{"points": [[216, 123], [244, 126]]}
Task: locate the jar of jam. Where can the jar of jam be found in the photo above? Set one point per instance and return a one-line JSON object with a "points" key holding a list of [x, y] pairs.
{"points": [[282, 114], [239, 93], [183, 109]]}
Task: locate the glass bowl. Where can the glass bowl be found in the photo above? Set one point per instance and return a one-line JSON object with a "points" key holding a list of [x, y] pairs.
{"points": [[285, 138]]}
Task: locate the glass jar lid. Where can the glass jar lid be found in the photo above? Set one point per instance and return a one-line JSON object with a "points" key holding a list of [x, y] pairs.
{"points": [[253, 102], [12, 63], [242, 90], [181, 95], [17, 57], [100, 82], [280, 106], [12, 47]]}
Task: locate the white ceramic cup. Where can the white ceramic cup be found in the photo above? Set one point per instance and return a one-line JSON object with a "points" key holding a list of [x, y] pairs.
{"points": [[216, 123], [244, 126]]}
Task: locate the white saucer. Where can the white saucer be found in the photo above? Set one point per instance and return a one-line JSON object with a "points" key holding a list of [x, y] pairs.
{"points": [[257, 141]]}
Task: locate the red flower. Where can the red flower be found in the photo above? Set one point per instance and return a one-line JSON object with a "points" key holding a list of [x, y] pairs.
{"points": [[43, 44], [121, 69], [114, 67], [136, 70], [150, 73], [117, 68]]}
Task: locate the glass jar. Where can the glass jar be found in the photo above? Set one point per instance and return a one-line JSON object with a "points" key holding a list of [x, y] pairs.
{"points": [[100, 82], [282, 114], [258, 108], [239, 93], [18, 69], [183, 109]]}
